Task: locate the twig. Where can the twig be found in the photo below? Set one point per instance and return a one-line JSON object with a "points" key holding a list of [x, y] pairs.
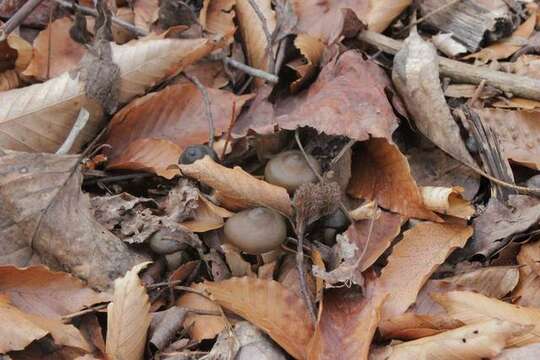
{"points": [[428, 15], [280, 57], [80, 123], [268, 51], [251, 70], [83, 312], [207, 107], [89, 11], [229, 131], [18, 18], [342, 152], [522, 86], [117, 178]]}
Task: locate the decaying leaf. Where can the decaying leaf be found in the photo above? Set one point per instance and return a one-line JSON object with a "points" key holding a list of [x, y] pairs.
{"points": [[525, 352], [9, 80], [472, 342], [208, 216], [346, 327], [201, 327], [472, 308], [383, 12], [40, 291], [146, 13], [58, 225], [447, 200], [311, 49], [493, 281], [518, 133], [64, 55], [128, 317], [492, 229], [217, 17], [528, 288], [239, 185], [270, 306], [421, 250], [176, 114], [381, 172], [16, 53], [416, 76], [164, 325], [411, 326]]}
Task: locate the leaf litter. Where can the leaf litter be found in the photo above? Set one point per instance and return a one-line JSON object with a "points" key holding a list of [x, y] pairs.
{"points": [[402, 200]]}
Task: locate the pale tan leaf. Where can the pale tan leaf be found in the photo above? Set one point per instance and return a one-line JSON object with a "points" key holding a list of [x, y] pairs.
{"points": [[505, 48], [208, 216], [447, 200], [311, 49], [146, 13], [381, 172], [473, 342], [270, 306], [252, 31], [217, 17], [411, 326], [128, 317], [201, 327], [40, 291], [9, 80], [472, 308], [23, 49], [494, 281], [421, 250], [383, 12], [63, 52], [528, 289], [521, 353], [239, 185]]}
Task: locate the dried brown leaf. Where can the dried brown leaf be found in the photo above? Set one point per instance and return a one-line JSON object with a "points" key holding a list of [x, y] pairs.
{"points": [[383, 12], [311, 49], [63, 52], [381, 172], [217, 17], [237, 184], [447, 200], [472, 308], [270, 306], [201, 327], [9, 80], [411, 326], [208, 216], [146, 13], [57, 226], [346, 327], [421, 250], [473, 342], [416, 76], [528, 288], [128, 317]]}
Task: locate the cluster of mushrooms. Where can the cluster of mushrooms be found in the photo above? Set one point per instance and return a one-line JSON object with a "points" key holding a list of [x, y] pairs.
{"points": [[259, 230]]}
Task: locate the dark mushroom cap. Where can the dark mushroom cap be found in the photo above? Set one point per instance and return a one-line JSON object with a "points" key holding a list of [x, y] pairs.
{"points": [[256, 231], [290, 169]]}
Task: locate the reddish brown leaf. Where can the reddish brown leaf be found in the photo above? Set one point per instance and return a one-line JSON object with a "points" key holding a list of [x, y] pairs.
{"points": [[270, 306], [346, 327], [410, 326], [201, 326], [381, 172]]}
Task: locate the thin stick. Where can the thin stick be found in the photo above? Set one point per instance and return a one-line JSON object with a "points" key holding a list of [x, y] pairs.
{"points": [[251, 70], [231, 124], [207, 108], [342, 152], [18, 18], [268, 52], [89, 11], [428, 15], [80, 123], [302, 275], [83, 312], [518, 85], [49, 46]]}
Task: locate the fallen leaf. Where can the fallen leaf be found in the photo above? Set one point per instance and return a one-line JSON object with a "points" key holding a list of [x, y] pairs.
{"points": [[208, 216], [346, 326], [9, 80], [311, 49], [383, 12], [386, 227], [525, 352], [473, 308], [473, 342], [217, 17], [493, 228], [270, 306], [63, 54], [211, 74], [176, 114], [164, 326], [146, 13], [518, 133], [40, 291], [528, 288], [58, 224], [506, 47], [128, 317], [421, 250], [37, 18], [39, 117], [411, 326], [447, 200], [416, 76], [253, 33], [15, 46], [237, 184], [381, 172], [493, 281], [201, 327]]}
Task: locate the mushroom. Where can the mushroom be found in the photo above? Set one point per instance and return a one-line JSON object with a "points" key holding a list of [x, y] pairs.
{"points": [[290, 169], [195, 152], [256, 231]]}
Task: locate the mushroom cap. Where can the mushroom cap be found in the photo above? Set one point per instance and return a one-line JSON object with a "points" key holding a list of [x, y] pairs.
{"points": [[256, 231], [290, 169]]}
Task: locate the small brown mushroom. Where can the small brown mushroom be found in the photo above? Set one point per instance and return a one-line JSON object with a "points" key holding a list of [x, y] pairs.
{"points": [[290, 169], [256, 231]]}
